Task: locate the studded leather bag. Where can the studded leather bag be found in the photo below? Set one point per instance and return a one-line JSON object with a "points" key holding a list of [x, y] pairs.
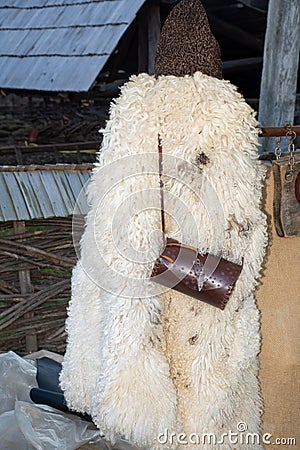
{"points": [[208, 278]]}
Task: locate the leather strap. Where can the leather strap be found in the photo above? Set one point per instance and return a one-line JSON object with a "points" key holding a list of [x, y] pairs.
{"points": [[161, 185], [176, 244]]}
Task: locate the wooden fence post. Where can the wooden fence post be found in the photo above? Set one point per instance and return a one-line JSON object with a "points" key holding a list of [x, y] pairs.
{"points": [[26, 288], [280, 66]]}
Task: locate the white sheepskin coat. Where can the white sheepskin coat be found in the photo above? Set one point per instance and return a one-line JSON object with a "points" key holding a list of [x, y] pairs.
{"points": [[140, 359]]}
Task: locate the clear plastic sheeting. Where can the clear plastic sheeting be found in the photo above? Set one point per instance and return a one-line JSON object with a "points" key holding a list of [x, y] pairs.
{"points": [[17, 377], [27, 426], [11, 437], [46, 428]]}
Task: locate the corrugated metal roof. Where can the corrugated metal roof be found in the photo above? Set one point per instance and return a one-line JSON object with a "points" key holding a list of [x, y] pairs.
{"points": [[36, 192], [57, 45]]}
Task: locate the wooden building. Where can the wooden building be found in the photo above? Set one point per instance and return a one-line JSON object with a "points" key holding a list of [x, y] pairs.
{"points": [[61, 63]]}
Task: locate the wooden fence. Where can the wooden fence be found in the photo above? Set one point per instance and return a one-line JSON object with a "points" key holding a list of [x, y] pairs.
{"points": [[36, 260]]}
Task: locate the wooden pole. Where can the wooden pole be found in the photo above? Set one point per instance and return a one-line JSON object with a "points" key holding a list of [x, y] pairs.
{"points": [[148, 32], [154, 26], [280, 66], [278, 131], [26, 288]]}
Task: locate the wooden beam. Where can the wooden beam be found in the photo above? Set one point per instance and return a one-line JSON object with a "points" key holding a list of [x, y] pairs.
{"points": [[280, 66], [46, 168], [238, 65], [26, 288], [88, 145], [122, 52], [262, 5], [220, 27]]}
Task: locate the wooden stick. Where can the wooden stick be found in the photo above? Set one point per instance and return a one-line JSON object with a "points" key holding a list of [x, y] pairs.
{"points": [[22, 250], [16, 311]]}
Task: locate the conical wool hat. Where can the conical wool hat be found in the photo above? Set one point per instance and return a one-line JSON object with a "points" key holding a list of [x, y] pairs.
{"points": [[186, 44]]}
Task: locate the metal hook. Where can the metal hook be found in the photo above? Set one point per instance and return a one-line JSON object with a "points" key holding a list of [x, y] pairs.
{"points": [[290, 134]]}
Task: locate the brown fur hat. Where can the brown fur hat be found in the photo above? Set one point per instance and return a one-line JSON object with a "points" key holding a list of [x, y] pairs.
{"points": [[187, 44]]}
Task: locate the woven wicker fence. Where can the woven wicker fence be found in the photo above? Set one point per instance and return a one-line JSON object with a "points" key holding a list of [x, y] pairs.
{"points": [[36, 260]]}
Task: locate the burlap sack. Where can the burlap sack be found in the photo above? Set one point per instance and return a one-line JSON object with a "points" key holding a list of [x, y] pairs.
{"points": [[278, 301]]}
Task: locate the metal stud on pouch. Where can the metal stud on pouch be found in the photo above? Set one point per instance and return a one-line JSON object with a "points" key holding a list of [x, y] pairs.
{"points": [[199, 274]]}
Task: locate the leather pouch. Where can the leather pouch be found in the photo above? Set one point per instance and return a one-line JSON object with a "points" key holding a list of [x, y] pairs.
{"points": [[208, 278], [286, 206]]}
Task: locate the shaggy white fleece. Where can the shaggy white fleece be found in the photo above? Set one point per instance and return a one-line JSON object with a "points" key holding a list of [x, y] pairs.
{"points": [[139, 359]]}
